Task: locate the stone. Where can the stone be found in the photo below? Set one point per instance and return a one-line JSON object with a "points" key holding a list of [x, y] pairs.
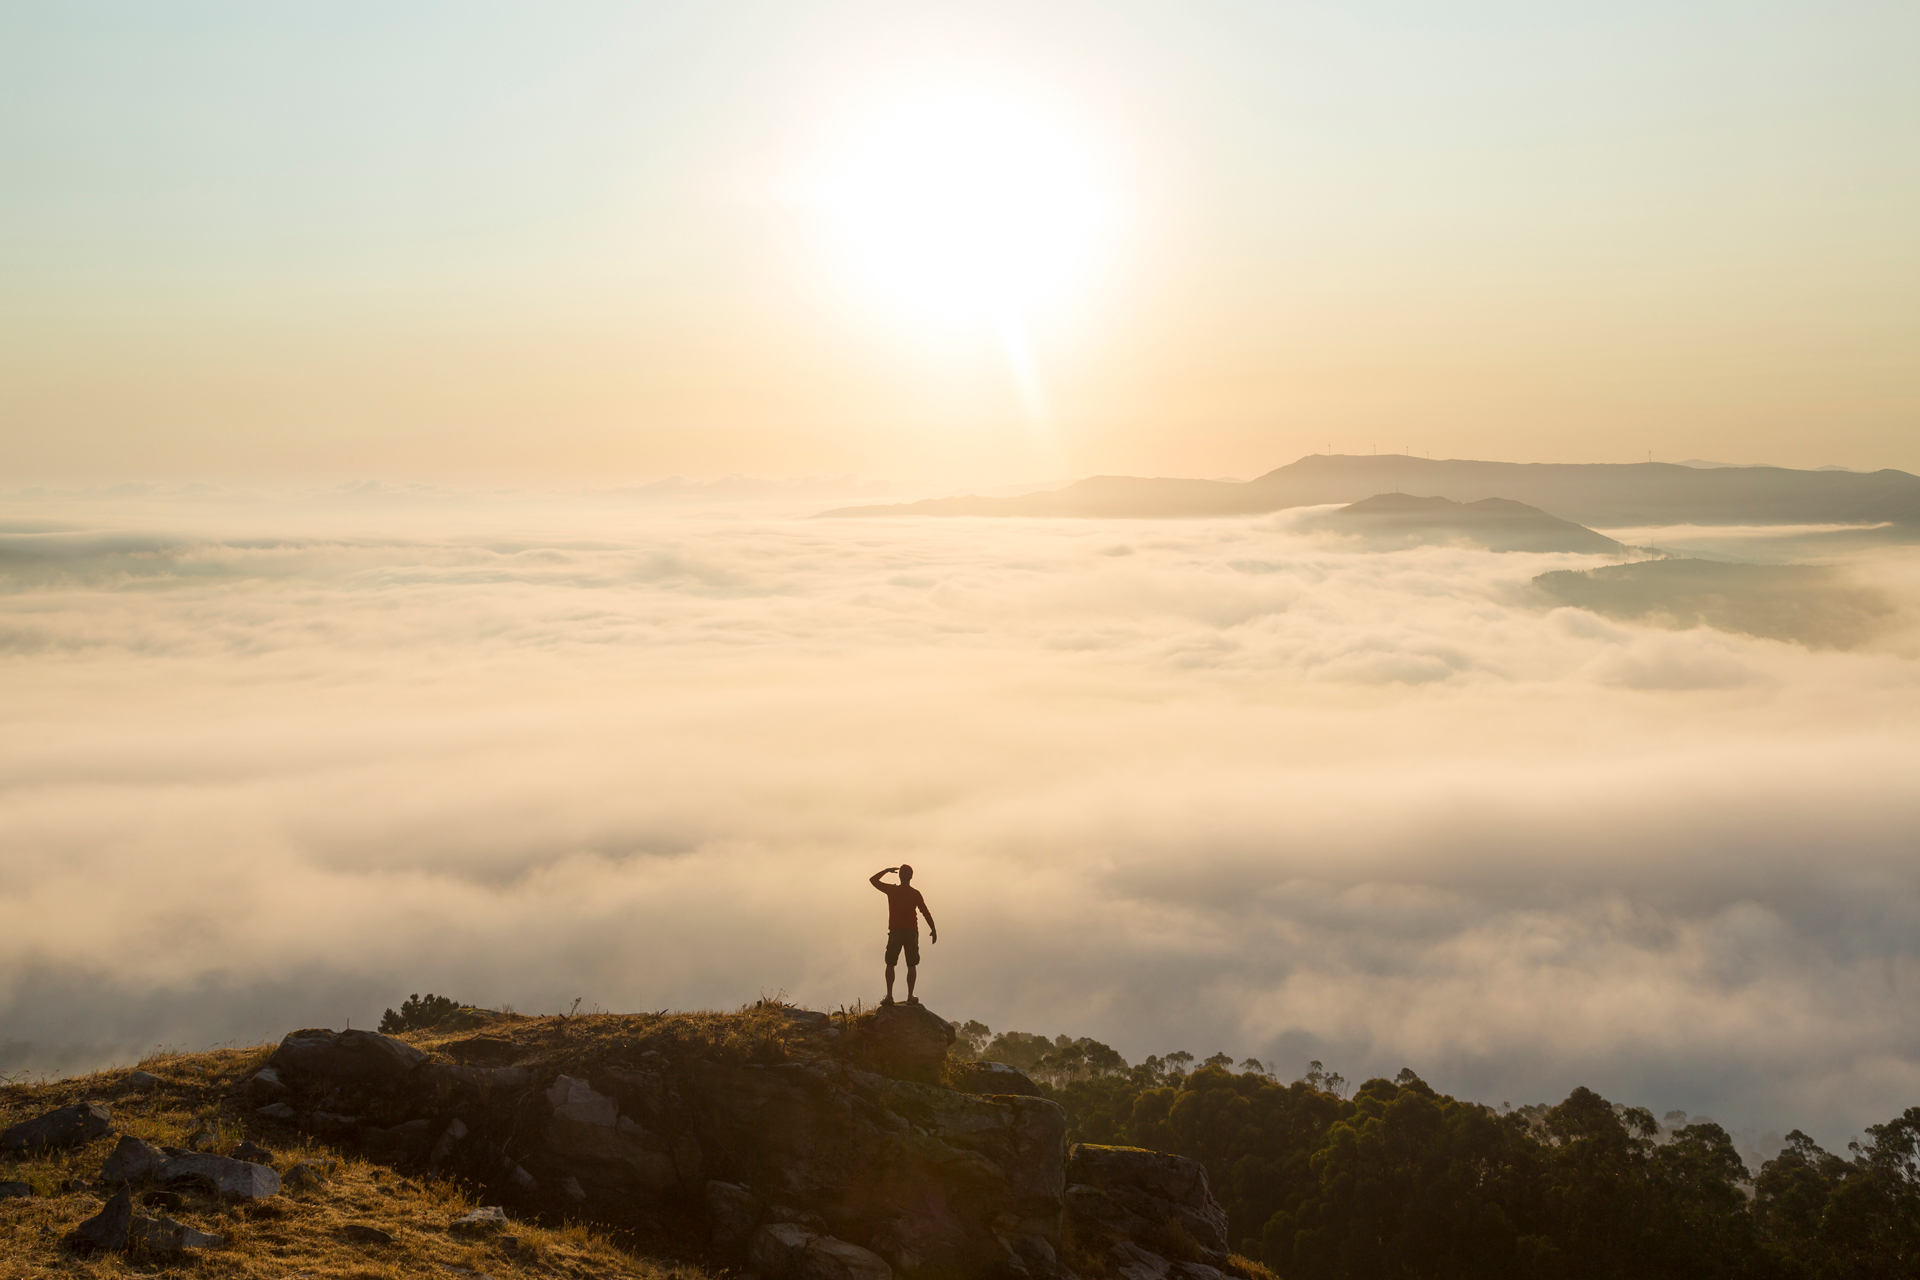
{"points": [[241, 1179], [826, 1258], [905, 1041], [360, 1234], [992, 1078], [252, 1152], [587, 1126], [132, 1161], [15, 1191], [266, 1085], [452, 1136], [145, 1080], [279, 1111], [733, 1211], [1128, 1194], [402, 1142], [364, 1057], [1128, 1261], [108, 1229], [777, 1248], [482, 1221], [1196, 1271], [63, 1127], [311, 1173], [164, 1235], [570, 1187], [523, 1180]]}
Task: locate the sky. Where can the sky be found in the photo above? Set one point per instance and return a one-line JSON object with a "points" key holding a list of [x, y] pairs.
{"points": [[411, 420], [606, 244]]}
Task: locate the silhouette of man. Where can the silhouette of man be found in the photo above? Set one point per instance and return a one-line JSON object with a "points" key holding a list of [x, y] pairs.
{"points": [[903, 926]]}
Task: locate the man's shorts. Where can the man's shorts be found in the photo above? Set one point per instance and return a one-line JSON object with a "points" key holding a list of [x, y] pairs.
{"points": [[907, 938]]}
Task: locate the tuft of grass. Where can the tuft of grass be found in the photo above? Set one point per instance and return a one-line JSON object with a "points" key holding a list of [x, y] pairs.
{"points": [[297, 1233]]}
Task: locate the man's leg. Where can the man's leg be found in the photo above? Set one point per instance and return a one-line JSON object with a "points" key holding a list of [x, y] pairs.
{"points": [[890, 983], [913, 971]]}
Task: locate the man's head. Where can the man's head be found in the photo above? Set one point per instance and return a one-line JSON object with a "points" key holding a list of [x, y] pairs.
{"points": [[906, 873]]}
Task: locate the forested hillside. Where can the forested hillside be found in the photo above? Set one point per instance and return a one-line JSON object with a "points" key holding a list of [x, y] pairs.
{"points": [[1398, 1180]]}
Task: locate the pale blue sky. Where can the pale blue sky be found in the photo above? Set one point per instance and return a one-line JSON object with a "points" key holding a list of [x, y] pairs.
{"points": [[335, 237]]}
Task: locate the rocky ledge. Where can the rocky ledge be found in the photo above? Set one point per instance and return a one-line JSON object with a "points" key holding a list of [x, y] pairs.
{"points": [[789, 1142]]}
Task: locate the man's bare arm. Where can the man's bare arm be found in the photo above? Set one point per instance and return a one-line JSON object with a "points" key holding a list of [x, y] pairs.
{"points": [[933, 930], [874, 879]]}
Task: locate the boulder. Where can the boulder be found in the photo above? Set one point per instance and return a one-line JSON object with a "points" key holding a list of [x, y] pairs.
{"points": [[991, 1078], [145, 1080], [1157, 1201], [776, 1250], [826, 1258], [482, 1221], [266, 1085], [587, 1129], [251, 1151], [363, 1057], [15, 1191], [164, 1235], [311, 1173], [64, 1127], [279, 1111], [362, 1234], [905, 1041], [407, 1141], [733, 1211], [109, 1228], [450, 1138], [241, 1179], [132, 1161]]}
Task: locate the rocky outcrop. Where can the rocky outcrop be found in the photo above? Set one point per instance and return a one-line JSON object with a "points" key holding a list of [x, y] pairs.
{"points": [[359, 1057], [991, 1077], [65, 1127], [1150, 1215], [848, 1155]]}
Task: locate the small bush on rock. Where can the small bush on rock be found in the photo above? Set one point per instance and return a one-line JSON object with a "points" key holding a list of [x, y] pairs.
{"points": [[416, 1014]]}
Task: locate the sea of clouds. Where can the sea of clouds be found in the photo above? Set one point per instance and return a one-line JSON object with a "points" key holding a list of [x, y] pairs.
{"points": [[1180, 784]]}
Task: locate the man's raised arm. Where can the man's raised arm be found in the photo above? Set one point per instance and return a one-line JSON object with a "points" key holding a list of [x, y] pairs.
{"points": [[874, 879]]}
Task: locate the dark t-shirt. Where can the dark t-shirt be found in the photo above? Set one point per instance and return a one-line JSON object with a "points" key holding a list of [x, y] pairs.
{"points": [[902, 899]]}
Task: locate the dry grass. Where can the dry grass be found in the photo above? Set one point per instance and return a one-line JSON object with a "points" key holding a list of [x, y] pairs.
{"points": [[756, 1033], [298, 1233]]}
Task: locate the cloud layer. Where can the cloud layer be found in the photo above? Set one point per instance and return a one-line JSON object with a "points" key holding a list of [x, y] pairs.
{"points": [[1205, 784]]}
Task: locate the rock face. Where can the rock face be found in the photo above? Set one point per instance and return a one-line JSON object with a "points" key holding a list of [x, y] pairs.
{"points": [[1146, 1210], [906, 1041], [66, 1127]]}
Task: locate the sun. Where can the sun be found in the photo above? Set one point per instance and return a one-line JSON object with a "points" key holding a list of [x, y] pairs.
{"points": [[953, 198]]}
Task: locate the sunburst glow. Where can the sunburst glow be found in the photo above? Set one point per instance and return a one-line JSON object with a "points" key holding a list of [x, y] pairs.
{"points": [[966, 199]]}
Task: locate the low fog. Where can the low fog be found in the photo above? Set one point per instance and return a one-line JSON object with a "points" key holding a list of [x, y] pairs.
{"points": [[1209, 784]]}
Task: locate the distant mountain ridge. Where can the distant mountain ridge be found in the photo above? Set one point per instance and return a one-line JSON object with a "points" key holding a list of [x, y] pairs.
{"points": [[1494, 523], [1616, 494]]}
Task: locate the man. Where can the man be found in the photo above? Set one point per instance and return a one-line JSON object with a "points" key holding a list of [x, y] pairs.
{"points": [[903, 926]]}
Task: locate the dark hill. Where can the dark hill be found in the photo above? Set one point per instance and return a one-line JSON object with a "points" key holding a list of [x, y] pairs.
{"points": [[1401, 519], [1814, 605], [1604, 494]]}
